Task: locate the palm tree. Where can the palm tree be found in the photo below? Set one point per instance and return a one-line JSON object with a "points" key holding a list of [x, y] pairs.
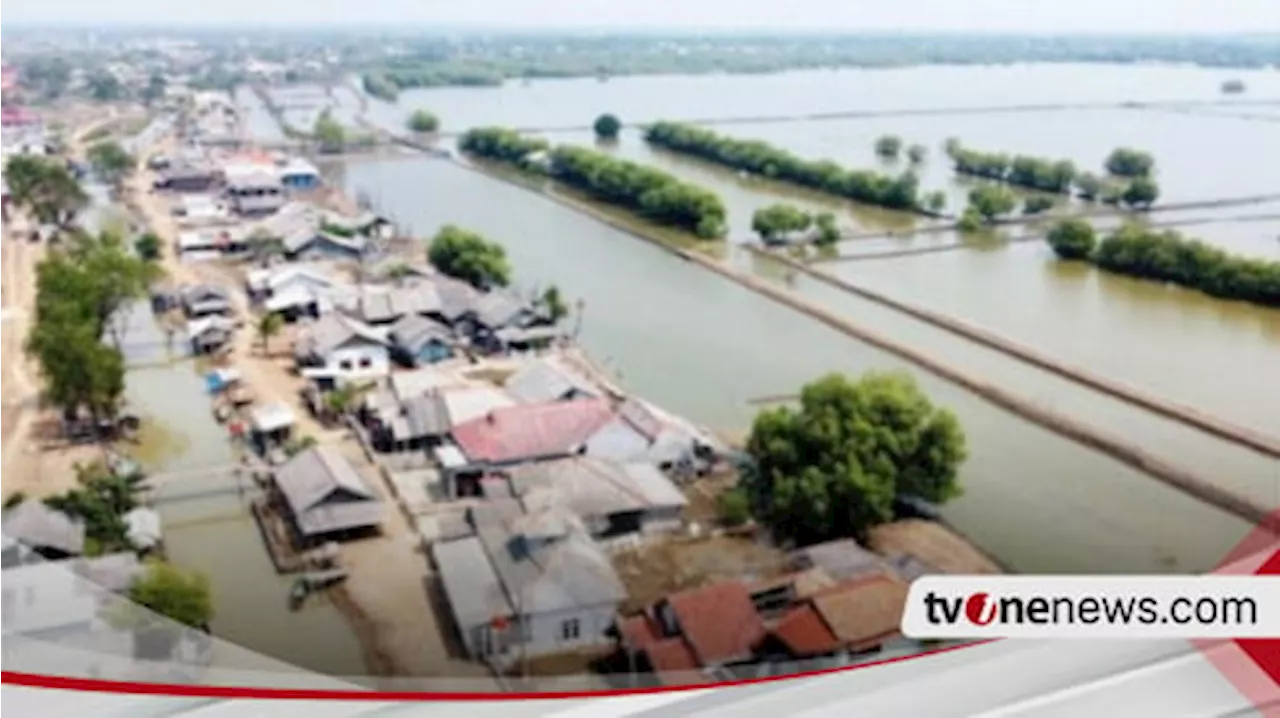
{"points": [[269, 326], [344, 398]]}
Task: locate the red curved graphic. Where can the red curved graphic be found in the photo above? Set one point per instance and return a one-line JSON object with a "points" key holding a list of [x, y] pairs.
{"points": [[34, 680]]}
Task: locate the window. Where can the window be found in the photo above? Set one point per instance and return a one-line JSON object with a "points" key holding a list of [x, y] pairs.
{"points": [[571, 629], [345, 365], [365, 362]]}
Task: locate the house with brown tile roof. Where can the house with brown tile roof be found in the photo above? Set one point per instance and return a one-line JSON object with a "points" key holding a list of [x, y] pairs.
{"points": [[697, 630], [854, 616]]}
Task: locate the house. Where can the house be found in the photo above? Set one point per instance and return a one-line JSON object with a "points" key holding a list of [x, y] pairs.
{"points": [[42, 530], [315, 244], [855, 616], [188, 177], [208, 334], [203, 300], [527, 584], [253, 190], [199, 209], [386, 305], [367, 224], [527, 339], [270, 425], [688, 635], [612, 499], [297, 174], [336, 348], [416, 340], [293, 291], [549, 379], [422, 421], [457, 301], [520, 434], [326, 495]]}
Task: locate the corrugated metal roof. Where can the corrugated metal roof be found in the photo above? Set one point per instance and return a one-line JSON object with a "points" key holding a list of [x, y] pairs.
{"points": [[546, 379], [594, 487], [475, 594], [498, 308], [326, 493], [334, 330], [531, 431], [413, 332]]}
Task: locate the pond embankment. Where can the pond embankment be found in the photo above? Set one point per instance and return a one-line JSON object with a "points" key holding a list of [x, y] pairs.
{"points": [[1192, 483]]}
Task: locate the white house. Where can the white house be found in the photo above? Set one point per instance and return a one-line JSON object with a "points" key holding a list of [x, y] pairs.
{"points": [[336, 349], [527, 583]]}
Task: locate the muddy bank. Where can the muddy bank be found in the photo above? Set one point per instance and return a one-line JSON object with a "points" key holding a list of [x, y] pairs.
{"points": [[1198, 486]]}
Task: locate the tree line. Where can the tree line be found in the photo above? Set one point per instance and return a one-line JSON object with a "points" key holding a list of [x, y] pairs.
{"points": [[646, 191], [1168, 256], [760, 158], [780, 222], [1127, 183]]}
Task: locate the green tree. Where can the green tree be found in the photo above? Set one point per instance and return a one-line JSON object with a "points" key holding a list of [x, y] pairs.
{"points": [[553, 303], [992, 201], [269, 326], [936, 201], [832, 467], [100, 499], [775, 222], [149, 246], [889, 146], [181, 596], [45, 188], [607, 127], [1037, 204], [1089, 186], [470, 257], [1072, 238], [111, 162], [105, 87], [970, 221], [734, 507], [952, 146], [329, 133], [423, 121], [1141, 193], [917, 154], [1128, 162], [828, 231]]}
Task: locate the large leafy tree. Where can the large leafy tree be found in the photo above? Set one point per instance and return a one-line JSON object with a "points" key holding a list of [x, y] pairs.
{"points": [[45, 188], [423, 121], [1072, 239], [111, 162], [832, 467], [778, 221], [470, 257], [607, 127], [992, 201]]}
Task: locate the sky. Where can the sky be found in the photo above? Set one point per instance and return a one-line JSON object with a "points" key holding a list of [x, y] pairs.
{"points": [[1033, 16]]}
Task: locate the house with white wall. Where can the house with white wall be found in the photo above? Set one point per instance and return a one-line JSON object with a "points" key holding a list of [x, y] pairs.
{"points": [[527, 583], [336, 349]]}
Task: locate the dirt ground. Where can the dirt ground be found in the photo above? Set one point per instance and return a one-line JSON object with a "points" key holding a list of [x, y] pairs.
{"points": [[35, 462], [653, 571]]}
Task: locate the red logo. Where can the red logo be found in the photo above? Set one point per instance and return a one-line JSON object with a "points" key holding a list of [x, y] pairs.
{"points": [[979, 609]]}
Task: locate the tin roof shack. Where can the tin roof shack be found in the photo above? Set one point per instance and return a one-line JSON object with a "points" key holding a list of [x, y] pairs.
{"points": [[46, 532], [253, 190], [417, 341], [336, 349], [203, 300], [188, 176], [614, 500], [270, 425], [841, 559], [210, 334], [527, 584], [327, 497], [548, 379]]}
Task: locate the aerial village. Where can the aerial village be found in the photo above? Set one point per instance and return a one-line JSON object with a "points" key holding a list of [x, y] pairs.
{"points": [[400, 427]]}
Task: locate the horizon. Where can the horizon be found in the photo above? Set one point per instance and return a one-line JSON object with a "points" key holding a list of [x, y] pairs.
{"points": [[1179, 18]]}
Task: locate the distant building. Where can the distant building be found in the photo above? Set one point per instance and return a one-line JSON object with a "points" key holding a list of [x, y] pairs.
{"points": [[297, 174], [203, 300], [254, 191]]}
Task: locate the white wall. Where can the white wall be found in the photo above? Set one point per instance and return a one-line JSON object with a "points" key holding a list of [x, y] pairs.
{"points": [[378, 357], [545, 629]]}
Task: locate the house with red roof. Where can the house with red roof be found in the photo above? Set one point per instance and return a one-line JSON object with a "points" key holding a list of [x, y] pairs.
{"points": [[522, 434], [733, 629]]}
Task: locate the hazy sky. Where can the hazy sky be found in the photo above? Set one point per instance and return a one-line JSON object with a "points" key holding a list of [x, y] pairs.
{"points": [[1138, 16]]}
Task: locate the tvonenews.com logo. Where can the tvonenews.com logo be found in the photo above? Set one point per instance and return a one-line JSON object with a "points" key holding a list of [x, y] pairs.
{"points": [[1112, 606], [983, 609]]}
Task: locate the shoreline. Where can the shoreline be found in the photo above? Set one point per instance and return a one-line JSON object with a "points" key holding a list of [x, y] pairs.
{"points": [[1189, 482]]}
